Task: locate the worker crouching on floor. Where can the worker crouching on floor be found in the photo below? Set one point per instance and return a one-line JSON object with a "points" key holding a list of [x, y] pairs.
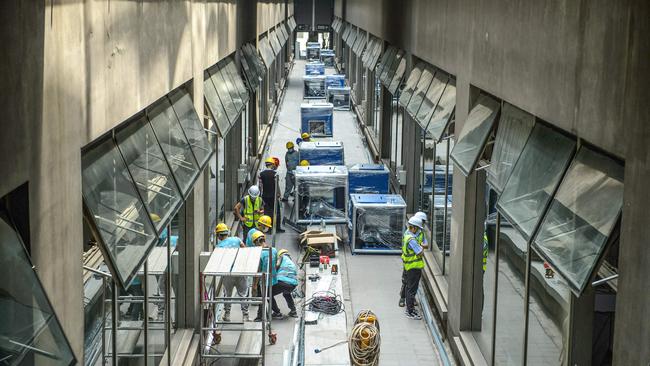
{"points": [[259, 239], [224, 240], [249, 209], [287, 282], [263, 225], [270, 191], [422, 240], [412, 253], [292, 159]]}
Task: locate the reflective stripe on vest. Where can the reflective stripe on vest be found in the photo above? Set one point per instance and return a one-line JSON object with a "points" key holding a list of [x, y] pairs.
{"points": [[410, 259], [250, 213]]}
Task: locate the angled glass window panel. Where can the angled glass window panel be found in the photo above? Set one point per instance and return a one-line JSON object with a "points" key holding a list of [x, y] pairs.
{"points": [[224, 95], [393, 67], [534, 178], [191, 124], [147, 165], [441, 114], [232, 90], [115, 211], [272, 39], [475, 133], [376, 54], [411, 84], [174, 145], [275, 43], [514, 128], [360, 43], [352, 38], [387, 66], [237, 81], [581, 217], [214, 104], [346, 34], [254, 59], [266, 52], [397, 77], [30, 331], [420, 93], [251, 75], [385, 60]]}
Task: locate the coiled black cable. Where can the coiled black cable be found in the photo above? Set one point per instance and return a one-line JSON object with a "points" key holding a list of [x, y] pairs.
{"points": [[326, 302]]}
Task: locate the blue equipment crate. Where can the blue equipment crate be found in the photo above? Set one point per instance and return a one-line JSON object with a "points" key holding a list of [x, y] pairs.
{"points": [[339, 97], [327, 57], [313, 51], [317, 119], [369, 178], [314, 68], [440, 179], [334, 80], [322, 153], [314, 87], [321, 195], [378, 223]]}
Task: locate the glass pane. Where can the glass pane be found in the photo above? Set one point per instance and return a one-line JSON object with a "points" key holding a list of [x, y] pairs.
{"points": [[441, 115], [234, 93], [387, 65], [266, 51], [581, 217], [431, 98], [475, 133], [215, 106], [174, 144], [534, 178], [275, 43], [385, 60], [30, 331], [376, 53], [191, 124], [411, 84], [237, 81], [393, 67], [116, 210], [397, 78], [511, 289], [224, 95], [548, 317], [148, 167], [514, 128], [420, 93]]}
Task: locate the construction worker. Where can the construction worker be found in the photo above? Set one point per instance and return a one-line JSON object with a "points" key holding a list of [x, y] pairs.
{"points": [[259, 239], [305, 137], [287, 282], [412, 253], [249, 209], [230, 283], [263, 225], [422, 241], [270, 193], [291, 158], [224, 240]]}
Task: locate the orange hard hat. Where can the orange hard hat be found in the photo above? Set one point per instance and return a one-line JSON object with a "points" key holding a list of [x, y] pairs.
{"points": [[276, 161]]}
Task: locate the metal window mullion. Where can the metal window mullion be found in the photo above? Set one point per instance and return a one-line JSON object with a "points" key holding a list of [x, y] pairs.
{"points": [[146, 311], [445, 209], [496, 286], [168, 296], [433, 198]]}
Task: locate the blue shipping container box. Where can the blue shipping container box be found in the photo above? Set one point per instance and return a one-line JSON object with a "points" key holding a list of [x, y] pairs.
{"points": [[378, 222], [327, 57], [321, 195], [314, 68], [322, 153], [369, 178], [314, 87], [334, 80], [339, 97], [317, 119]]}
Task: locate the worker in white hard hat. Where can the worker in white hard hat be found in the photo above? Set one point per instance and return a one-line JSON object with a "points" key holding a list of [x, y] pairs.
{"points": [[412, 253], [422, 241], [249, 209]]}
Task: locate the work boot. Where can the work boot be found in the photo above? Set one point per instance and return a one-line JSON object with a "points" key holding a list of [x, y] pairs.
{"points": [[226, 316], [413, 315], [258, 319], [245, 317], [293, 314], [278, 230], [277, 315], [402, 302]]}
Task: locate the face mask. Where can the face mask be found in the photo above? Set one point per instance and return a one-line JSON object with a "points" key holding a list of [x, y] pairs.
{"points": [[264, 229]]}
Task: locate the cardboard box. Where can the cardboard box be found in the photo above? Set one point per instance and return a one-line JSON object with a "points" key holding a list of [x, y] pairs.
{"points": [[326, 242]]}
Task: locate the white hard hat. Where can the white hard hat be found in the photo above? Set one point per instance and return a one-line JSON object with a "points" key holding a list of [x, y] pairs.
{"points": [[421, 215], [415, 221], [254, 191]]}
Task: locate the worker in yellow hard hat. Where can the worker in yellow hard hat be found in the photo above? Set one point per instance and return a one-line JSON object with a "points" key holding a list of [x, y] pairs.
{"points": [[291, 158], [224, 240], [268, 181], [230, 283], [263, 225], [305, 137], [287, 282], [304, 163], [259, 239]]}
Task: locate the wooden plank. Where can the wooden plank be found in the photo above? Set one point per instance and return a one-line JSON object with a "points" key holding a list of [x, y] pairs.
{"points": [[221, 261], [247, 261]]}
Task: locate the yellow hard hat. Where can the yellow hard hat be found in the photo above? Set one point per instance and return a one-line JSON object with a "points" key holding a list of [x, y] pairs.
{"points": [[154, 217], [289, 145], [221, 228], [257, 235], [305, 135], [266, 221], [282, 252], [269, 161], [304, 163]]}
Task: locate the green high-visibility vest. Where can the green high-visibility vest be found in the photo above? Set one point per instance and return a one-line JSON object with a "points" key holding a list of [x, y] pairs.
{"points": [[485, 251], [250, 213], [409, 258]]}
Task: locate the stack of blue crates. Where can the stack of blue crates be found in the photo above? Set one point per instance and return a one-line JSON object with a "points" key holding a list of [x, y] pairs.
{"points": [[322, 153], [368, 178], [317, 119]]}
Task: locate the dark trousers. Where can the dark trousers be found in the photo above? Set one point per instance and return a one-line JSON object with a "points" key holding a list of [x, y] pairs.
{"points": [[245, 230], [285, 289], [402, 291], [269, 205], [412, 284]]}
